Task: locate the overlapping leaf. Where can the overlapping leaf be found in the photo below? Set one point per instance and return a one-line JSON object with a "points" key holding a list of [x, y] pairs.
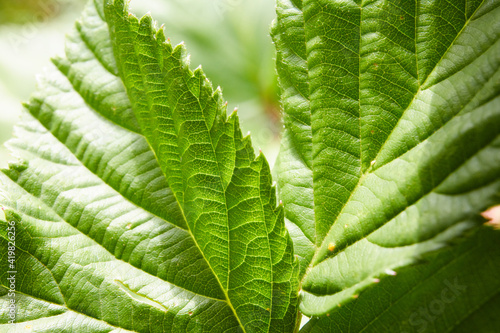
{"points": [[139, 205], [436, 296], [392, 124]]}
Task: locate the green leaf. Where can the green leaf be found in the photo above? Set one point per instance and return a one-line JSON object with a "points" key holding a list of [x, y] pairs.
{"points": [[138, 204], [391, 142], [438, 296]]}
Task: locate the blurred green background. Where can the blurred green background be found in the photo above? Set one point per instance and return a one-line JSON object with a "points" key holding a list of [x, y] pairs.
{"points": [[229, 38]]}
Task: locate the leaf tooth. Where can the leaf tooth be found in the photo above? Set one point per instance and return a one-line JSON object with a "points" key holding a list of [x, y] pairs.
{"points": [[146, 23], [160, 35], [181, 53]]}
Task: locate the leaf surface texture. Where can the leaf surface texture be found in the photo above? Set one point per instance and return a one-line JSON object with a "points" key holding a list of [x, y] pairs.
{"points": [[391, 142], [139, 204]]}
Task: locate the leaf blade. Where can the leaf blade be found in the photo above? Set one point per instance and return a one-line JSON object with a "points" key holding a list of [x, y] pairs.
{"points": [[427, 296], [408, 99], [97, 157]]}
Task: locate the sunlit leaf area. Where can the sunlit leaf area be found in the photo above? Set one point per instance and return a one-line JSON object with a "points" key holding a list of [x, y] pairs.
{"points": [[216, 33]]}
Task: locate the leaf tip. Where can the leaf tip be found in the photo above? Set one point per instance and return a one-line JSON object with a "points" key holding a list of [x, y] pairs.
{"points": [[160, 34], [78, 25], [198, 73]]}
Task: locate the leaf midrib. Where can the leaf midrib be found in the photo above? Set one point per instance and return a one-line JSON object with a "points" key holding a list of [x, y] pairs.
{"points": [[78, 232], [427, 78], [227, 300], [409, 205], [375, 167]]}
